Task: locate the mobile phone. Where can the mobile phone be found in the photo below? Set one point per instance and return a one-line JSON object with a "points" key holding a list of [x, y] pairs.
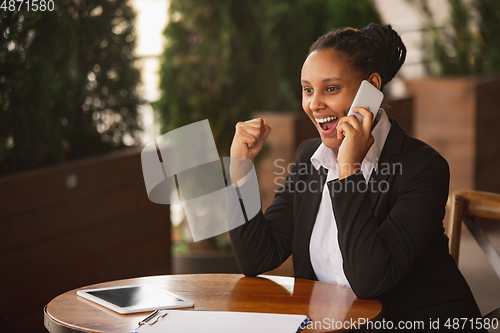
{"points": [[367, 96]]}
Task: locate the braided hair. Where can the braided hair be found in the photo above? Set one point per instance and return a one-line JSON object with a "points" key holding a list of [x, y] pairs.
{"points": [[373, 49]]}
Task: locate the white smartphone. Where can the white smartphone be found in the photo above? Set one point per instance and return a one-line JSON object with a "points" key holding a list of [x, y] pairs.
{"points": [[367, 96], [135, 298]]}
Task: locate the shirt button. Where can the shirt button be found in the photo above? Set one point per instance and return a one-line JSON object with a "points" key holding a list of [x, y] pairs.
{"points": [[333, 251]]}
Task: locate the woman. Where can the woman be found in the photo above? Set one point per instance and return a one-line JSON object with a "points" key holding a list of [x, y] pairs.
{"points": [[370, 216]]}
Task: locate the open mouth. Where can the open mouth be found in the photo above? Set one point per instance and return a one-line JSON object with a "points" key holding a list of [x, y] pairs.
{"points": [[327, 124]]}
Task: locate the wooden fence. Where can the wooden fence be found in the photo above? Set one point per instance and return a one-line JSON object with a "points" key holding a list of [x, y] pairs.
{"points": [[75, 224]]}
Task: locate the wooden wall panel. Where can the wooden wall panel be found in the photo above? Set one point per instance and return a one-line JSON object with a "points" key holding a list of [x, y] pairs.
{"points": [[487, 166], [54, 239], [401, 110], [444, 117], [459, 117]]}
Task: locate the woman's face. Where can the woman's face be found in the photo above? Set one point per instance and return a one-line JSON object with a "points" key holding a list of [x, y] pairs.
{"points": [[329, 85]]}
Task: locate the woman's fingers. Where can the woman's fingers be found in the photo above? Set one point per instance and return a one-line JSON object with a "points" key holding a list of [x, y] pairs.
{"points": [[255, 131], [345, 128], [367, 118], [348, 125], [266, 130], [249, 138], [358, 140], [354, 123]]}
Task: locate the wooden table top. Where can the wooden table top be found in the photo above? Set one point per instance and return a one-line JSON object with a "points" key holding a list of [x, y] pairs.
{"points": [[320, 301]]}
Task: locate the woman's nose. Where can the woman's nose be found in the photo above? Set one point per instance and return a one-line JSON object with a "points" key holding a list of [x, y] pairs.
{"points": [[317, 103]]}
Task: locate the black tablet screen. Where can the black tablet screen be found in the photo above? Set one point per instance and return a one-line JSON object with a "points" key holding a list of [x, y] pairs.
{"points": [[134, 296]]}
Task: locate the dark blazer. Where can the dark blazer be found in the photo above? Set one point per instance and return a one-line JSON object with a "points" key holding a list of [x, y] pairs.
{"points": [[390, 232]]}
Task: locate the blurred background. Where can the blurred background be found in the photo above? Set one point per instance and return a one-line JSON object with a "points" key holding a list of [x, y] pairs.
{"points": [[85, 84]]}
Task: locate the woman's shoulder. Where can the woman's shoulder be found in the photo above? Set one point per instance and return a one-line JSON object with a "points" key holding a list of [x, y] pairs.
{"points": [[307, 149], [417, 152]]}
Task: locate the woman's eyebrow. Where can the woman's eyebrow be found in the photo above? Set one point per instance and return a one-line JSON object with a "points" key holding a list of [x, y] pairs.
{"points": [[328, 79], [331, 79]]}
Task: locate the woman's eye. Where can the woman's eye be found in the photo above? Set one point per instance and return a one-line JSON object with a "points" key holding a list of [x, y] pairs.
{"points": [[332, 89], [308, 90]]}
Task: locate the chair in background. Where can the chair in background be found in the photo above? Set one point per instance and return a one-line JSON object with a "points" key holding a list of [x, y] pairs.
{"points": [[465, 206]]}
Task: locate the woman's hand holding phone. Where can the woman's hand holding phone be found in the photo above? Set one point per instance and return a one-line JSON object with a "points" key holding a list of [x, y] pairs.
{"points": [[357, 141]]}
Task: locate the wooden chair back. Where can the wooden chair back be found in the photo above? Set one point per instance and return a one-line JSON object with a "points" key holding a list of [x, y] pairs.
{"points": [[470, 204], [465, 206]]}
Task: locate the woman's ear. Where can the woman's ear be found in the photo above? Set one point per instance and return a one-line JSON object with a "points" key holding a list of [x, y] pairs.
{"points": [[375, 80]]}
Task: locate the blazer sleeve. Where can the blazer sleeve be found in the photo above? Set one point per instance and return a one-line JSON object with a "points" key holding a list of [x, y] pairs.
{"points": [[376, 256], [265, 242]]}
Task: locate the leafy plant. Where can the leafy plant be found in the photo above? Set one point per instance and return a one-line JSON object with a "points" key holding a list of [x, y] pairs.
{"points": [[467, 43], [226, 58], [67, 82]]}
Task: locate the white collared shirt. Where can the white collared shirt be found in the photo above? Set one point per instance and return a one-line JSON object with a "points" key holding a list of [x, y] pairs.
{"points": [[326, 258]]}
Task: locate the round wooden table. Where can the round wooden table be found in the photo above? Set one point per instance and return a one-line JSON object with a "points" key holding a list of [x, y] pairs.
{"points": [[326, 304]]}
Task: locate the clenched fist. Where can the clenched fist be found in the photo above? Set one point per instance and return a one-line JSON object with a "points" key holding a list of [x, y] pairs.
{"points": [[249, 138]]}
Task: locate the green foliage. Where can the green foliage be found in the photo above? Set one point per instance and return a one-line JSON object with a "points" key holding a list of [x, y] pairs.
{"points": [[227, 58], [67, 82], [489, 33], [468, 43]]}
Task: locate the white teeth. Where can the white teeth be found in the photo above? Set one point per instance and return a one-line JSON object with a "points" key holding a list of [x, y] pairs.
{"points": [[324, 120]]}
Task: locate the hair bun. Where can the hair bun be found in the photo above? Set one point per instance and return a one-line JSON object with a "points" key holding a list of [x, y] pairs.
{"points": [[375, 48], [390, 52]]}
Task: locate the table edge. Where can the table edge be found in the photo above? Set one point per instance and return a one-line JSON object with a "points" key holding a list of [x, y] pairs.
{"points": [[54, 326]]}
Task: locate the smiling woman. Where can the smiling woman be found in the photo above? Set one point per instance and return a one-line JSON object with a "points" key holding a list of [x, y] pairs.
{"points": [[328, 90], [351, 222]]}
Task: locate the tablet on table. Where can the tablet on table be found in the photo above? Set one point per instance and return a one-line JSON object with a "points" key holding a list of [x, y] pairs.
{"points": [[136, 298]]}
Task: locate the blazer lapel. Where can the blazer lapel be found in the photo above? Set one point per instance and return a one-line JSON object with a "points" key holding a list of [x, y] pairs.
{"points": [[387, 166], [315, 190], [305, 219]]}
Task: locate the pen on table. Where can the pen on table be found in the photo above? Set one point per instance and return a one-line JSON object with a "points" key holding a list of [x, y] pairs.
{"points": [[151, 319]]}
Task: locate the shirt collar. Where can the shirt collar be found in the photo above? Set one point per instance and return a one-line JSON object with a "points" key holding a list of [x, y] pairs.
{"points": [[380, 132], [327, 157], [324, 156]]}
